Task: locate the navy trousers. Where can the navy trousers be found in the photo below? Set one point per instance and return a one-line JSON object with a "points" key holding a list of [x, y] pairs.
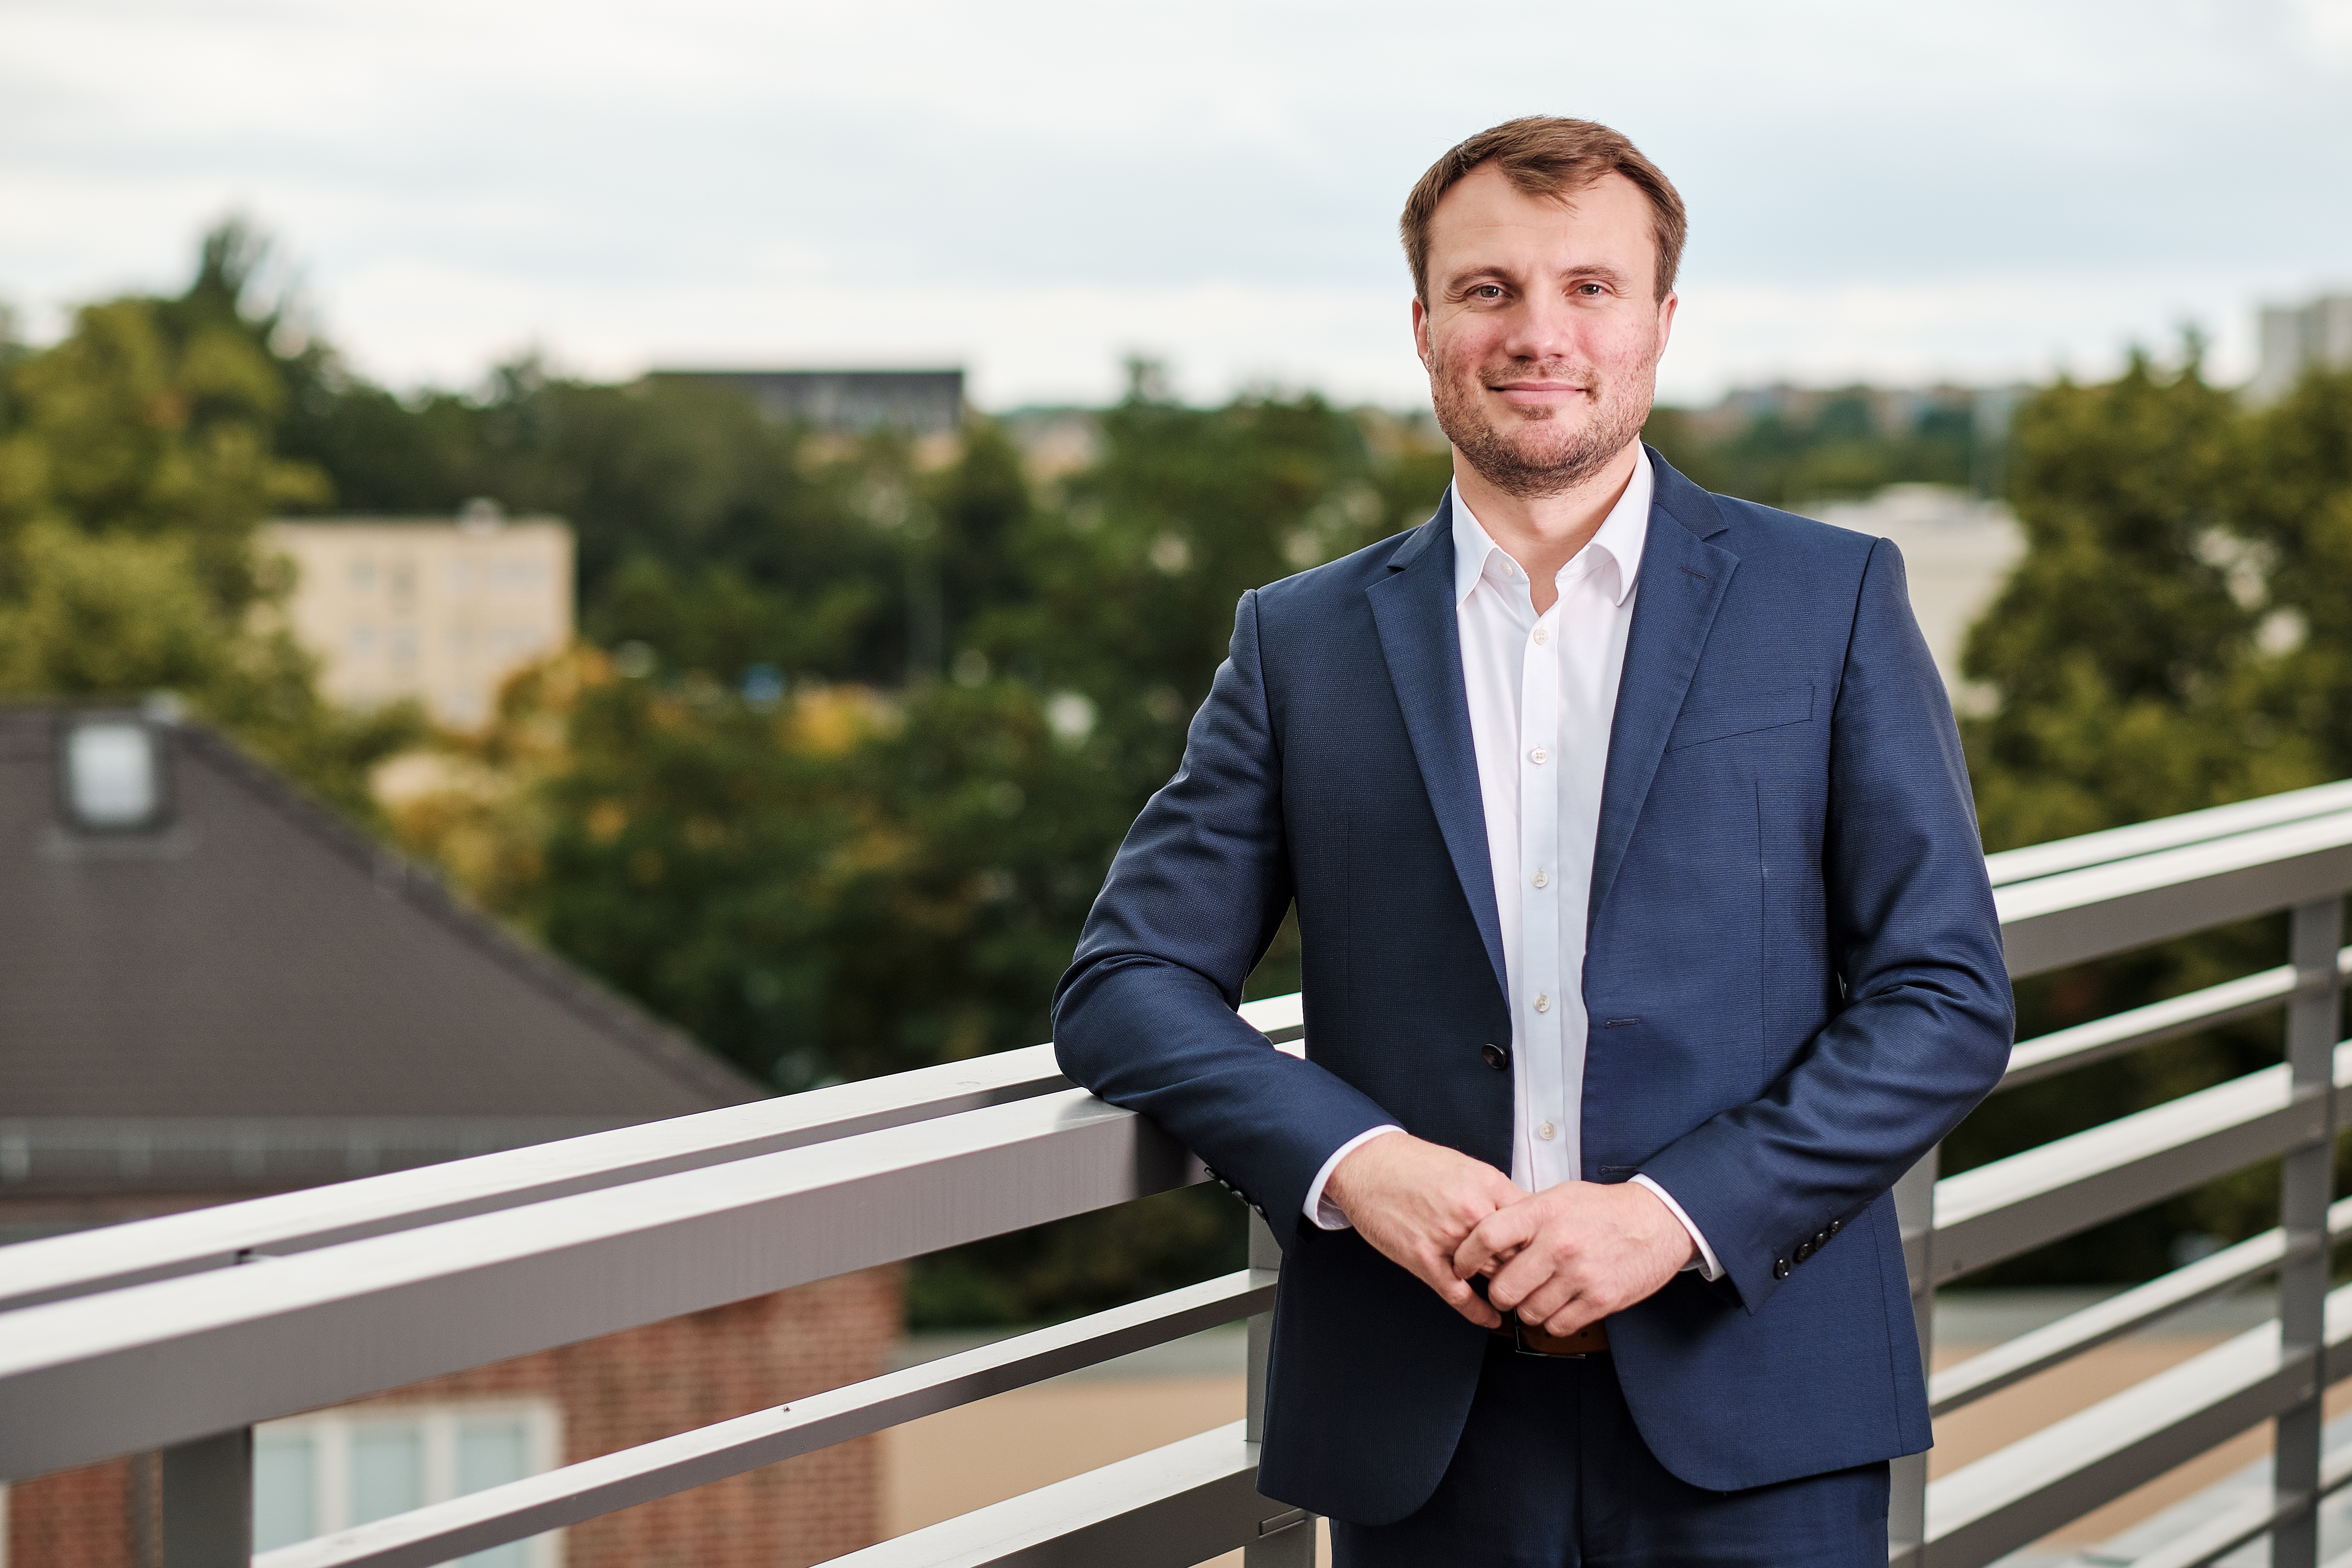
{"points": [[1551, 1473]]}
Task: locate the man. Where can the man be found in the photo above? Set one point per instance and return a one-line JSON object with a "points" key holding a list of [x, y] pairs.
{"points": [[1646, 942]]}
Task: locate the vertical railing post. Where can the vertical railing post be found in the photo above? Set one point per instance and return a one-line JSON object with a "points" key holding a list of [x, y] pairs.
{"points": [[1289, 1538], [2306, 1185], [1915, 1216], [208, 1501]]}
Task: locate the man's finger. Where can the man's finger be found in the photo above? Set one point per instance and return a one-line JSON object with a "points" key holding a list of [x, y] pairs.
{"points": [[1535, 1274], [1560, 1293], [1577, 1314], [1467, 1303], [1493, 1240]]}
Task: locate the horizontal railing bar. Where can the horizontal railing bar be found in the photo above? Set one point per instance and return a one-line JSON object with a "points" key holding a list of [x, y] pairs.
{"points": [[2023, 1491], [2166, 832], [2062, 1050], [2209, 1543], [518, 1510], [1171, 1507], [84, 1156], [2074, 916], [153, 1364], [2041, 1194], [174, 1245], [2016, 1359]]}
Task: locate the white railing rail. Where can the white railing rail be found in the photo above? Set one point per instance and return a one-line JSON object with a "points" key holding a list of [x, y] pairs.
{"points": [[179, 1333]]}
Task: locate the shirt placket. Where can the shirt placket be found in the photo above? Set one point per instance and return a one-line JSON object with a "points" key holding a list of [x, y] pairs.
{"points": [[1540, 1011]]}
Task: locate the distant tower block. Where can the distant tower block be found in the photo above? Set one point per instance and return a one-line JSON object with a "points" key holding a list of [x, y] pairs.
{"points": [[2295, 337], [443, 611]]}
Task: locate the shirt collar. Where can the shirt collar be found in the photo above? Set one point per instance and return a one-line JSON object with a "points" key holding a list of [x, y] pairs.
{"points": [[1620, 537]]}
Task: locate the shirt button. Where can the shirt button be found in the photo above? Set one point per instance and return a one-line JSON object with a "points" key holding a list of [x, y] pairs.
{"points": [[1543, 1001], [1542, 880], [1539, 755], [1543, 636], [1545, 1131]]}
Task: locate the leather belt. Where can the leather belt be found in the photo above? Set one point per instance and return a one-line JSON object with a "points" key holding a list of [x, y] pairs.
{"points": [[1591, 1340]]}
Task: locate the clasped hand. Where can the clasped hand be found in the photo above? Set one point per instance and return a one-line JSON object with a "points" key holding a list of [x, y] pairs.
{"points": [[1562, 1258]]}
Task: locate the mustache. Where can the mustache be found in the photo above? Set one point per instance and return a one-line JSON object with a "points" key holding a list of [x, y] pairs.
{"points": [[1585, 377]]}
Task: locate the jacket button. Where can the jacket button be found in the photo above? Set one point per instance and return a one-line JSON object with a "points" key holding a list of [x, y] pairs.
{"points": [[1804, 1250], [1497, 1056], [1836, 1225], [1821, 1241], [1779, 1268]]}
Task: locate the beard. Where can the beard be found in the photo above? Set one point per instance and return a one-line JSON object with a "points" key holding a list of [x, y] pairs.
{"points": [[1540, 453]]}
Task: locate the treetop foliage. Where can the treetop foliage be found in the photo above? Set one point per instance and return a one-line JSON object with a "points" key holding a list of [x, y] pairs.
{"points": [[137, 456]]}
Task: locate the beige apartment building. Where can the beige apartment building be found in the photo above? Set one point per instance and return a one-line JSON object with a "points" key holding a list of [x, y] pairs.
{"points": [[439, 611]]}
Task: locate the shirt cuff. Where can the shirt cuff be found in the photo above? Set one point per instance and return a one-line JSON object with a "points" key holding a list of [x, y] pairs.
{"points": [[1709, 1268], [1325, 1212]]}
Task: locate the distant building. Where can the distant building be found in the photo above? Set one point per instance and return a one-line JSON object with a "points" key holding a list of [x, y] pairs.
{"points": [[2296, 337], [919, 402], [444, 611], [1054, 442], [1956, 552], [211, 989]]}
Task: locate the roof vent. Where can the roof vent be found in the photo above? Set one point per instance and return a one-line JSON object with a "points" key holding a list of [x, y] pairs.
{"points": [[112, 773]]}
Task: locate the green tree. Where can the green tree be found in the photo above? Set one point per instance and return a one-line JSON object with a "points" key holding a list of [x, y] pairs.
{"points": [[2121, 652], [2293, 486], [1138, 572], [2127, 684], [137, 458], [1840, 451]]}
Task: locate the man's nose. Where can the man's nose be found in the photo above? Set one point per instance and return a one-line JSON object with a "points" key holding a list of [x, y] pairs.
{"points": [[1542, 329]]}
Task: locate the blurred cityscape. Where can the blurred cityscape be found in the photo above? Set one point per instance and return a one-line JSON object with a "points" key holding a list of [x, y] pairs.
{"points": [[396, 777]]}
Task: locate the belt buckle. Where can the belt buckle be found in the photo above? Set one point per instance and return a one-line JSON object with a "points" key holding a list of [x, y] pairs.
{"points": [[1520, 1345]]}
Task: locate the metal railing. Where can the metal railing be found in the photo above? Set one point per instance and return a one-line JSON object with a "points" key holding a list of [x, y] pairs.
{"points": [[179, 1333]]}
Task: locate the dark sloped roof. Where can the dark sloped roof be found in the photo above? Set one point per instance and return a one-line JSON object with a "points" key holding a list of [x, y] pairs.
{"points": [[261, 960]]}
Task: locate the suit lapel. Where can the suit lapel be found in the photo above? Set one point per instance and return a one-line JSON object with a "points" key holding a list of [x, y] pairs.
{"points": [[1414, 608], [1682, 584]]}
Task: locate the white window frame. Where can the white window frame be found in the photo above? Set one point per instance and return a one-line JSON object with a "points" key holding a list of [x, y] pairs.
{"points": [[330, 1434]]}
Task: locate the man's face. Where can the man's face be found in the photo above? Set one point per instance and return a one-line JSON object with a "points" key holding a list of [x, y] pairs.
{"points": [[1541, 332]]}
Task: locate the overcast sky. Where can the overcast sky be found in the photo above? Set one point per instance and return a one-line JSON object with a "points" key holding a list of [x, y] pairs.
{"points": [[1977, 191]]}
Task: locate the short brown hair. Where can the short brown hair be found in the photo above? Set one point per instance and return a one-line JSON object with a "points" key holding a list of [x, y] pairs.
{"points": [[1545, 156]]}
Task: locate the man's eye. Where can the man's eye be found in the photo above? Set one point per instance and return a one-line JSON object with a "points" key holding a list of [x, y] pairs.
{"points": [[1486, 291]]}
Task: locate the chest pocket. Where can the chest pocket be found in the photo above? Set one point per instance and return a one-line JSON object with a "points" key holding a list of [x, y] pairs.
{"points": [[1725, 717]]}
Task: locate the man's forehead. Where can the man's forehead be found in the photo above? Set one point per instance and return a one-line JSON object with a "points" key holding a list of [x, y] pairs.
{"points": [[1486, 198], [1485, 211]]}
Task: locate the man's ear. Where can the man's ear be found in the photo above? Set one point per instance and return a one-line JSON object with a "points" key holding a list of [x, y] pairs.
{"points": [[1421, 331], [1666, 318]]}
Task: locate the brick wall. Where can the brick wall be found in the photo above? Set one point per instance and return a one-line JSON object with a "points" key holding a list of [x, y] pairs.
{"points": [[615, 1392], [78, 1518]]}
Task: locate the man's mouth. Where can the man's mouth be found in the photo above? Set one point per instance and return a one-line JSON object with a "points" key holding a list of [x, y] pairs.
{"points": [[1538, 394]]}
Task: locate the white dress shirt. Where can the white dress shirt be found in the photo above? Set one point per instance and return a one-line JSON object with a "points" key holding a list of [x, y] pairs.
{"points": [[1543, 694]]}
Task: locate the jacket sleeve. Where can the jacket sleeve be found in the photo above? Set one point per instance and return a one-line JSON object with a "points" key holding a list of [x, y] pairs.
{"points": [[1145, 1015], [1925, 1029]]}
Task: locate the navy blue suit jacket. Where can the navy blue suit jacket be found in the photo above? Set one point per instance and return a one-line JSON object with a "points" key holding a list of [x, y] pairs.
{"points": [[1794, 978]]}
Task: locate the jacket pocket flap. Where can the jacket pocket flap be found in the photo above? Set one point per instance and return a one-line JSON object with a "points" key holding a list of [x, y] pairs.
{"points": [[1726, 717]]}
